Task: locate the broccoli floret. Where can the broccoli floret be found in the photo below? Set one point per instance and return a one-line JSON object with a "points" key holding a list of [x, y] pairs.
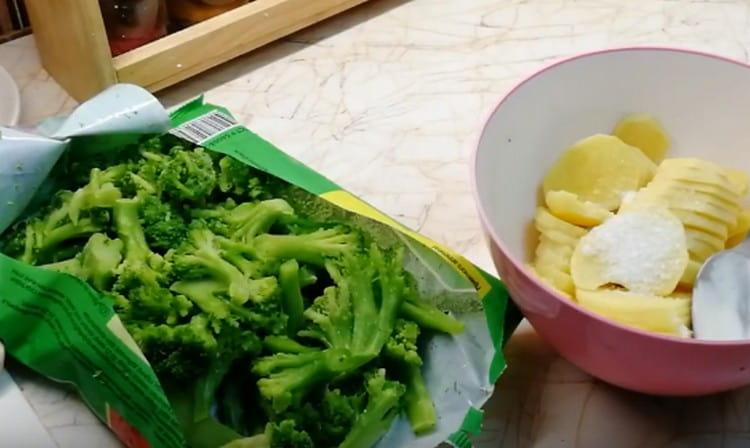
{"points": [[401, 350], [348, 318], [141, 265], [359, 277], [164, 228], [100, 259], [329, 419], [245, 221], [239, 179], [249, 220], [208, 295], [180, 352], [184, 175], [100, 192], [383, 406], [156, 304], [402, 345], [313, 248], [286, 434], [14, 241], [333, 318], [287, 378], [205, 256], [46, 233]]}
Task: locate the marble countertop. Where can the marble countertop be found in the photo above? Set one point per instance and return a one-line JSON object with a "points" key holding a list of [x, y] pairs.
{"points": [[396, 89]]}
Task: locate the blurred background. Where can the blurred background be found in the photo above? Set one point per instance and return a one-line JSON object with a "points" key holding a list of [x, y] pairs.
{"points": [[14, 22]]}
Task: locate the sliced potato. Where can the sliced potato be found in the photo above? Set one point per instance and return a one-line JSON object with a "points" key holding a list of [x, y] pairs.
{"points": [[700, 171], [687, 202], [567, 206], [645, 133], [670, 187], [688, 216], [699, 250], [702, 245], [600, 169], [702, 223], [556, 278], [643, 251], [690, 274], [550, 255], [739, 179], [565, 250], [546, 222], [740, 231], [668, 315]]}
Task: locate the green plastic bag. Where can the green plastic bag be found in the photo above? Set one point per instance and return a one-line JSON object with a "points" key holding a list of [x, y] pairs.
{"points": [[64, 330]]}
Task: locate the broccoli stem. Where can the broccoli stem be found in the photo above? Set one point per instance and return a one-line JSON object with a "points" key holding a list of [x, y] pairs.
{"points": [[253, 219], [206, 387], [129, 229], [283, 344], [392, 285], [311, 248], [66, 232], [71, 266], [375, 421], [419, 407], [203, 294], [206, 433], [293, 304], [431, 318], [288, 377]]}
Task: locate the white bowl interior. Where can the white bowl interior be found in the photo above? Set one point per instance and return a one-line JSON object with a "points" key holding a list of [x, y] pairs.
{"points": [[703, 102]]}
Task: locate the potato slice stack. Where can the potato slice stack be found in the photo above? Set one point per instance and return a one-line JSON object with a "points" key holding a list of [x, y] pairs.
{"points": [[706, 198], [557, 241], [676, 214]]}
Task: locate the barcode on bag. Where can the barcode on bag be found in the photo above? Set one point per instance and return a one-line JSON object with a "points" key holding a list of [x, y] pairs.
{"points": [[200, 129]]}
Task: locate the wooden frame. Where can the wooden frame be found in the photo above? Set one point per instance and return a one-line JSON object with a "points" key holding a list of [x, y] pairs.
{"points": [[73, 44]]}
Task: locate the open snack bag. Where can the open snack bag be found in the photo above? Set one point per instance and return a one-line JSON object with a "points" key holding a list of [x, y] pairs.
{"points": [[198, 287]]}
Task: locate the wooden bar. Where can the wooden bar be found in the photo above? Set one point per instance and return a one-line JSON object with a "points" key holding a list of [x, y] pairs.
{"points": [[72, 43], [206, 44]]}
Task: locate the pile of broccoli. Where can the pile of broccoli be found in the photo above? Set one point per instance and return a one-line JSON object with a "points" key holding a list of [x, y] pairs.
{"points": [[265, 328]]}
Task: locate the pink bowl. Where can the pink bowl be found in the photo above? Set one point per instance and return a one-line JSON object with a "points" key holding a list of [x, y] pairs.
{"points": [[704, 103]]}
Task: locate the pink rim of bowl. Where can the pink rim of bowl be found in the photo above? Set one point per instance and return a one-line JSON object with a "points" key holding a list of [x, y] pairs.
{"points": [[502, 251]]}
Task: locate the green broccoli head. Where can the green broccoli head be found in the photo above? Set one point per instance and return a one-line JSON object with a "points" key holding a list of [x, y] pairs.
{"points": [[99, 192], [286, 434], [332, 318], [44, 237], [335, 416], [163, 226], [141, 266], [156, 304], [188, 175], [205, 256], [210, 296], [178, 352], [402, 345], [100, 259], [383, 406]]}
